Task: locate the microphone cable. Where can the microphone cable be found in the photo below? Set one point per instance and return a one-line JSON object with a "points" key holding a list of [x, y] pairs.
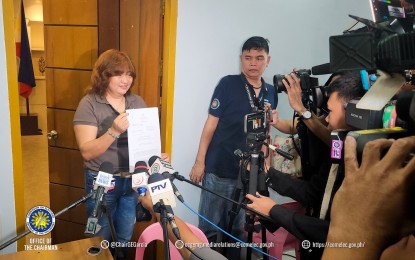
{"points": [[223, 231]]}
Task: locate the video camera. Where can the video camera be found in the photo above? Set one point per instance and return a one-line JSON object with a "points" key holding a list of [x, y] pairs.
{"points": [[386, 46], [306, 81]]}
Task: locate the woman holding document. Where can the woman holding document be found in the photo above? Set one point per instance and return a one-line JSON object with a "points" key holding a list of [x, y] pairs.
{"points": [[100, 125]]}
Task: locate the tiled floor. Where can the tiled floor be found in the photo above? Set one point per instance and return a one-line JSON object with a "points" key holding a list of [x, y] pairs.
{"points": [[35, 174]]}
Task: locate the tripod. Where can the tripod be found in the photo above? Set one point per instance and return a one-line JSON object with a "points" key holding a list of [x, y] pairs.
{"points": [[92, 223], [256, 158], [163, 209]]}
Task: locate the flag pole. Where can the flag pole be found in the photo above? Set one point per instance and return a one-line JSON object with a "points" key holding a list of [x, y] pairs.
{"points": [[27, 107]]}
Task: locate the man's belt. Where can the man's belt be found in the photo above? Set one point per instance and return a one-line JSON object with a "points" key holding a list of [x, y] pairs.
{"points": [[123, 174]]}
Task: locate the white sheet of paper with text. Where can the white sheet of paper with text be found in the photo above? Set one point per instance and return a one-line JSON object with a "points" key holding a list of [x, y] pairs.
{"points": [[143, 135]]}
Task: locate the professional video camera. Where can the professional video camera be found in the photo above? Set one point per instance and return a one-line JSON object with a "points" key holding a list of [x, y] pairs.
{"points": [[385, 47]]}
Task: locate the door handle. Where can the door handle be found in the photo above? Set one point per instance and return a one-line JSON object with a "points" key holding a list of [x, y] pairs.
{"points": [[52, 135]]}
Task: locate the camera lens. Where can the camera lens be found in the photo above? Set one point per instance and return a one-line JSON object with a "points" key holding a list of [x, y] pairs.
{"points": [[279, 86]]}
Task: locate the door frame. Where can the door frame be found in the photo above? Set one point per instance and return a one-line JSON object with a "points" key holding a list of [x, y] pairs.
{"points": [[168, 77]]}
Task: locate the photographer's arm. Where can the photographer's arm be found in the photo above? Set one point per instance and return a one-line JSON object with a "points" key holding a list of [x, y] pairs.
{"points": [[301, 226], [283, 125], [308, 193], [315, 124], [319, 129]]}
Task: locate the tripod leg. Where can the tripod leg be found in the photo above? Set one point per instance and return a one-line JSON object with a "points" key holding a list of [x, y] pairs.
{"points": [[253, 185], [107, 212], [235, 208]]}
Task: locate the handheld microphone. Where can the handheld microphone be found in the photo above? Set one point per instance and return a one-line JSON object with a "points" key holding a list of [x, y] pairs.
{"points": [[102, 184], [161, 193], [139, 178]]}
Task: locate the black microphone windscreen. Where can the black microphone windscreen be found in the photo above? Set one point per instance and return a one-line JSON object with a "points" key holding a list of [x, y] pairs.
{"points": [[152, 160], [321, 69], [168, 175], [140, 166], [155, 177], [106, 167]]}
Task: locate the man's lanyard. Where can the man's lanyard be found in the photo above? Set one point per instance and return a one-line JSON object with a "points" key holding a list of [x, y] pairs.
{"points": [[251, 101]]}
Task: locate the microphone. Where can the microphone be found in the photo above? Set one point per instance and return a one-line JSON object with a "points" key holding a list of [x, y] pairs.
{"points": [[102, 184], [159, 166], [161, 193], [279, 151], [161, 189], [139, 178], [175, 190], [321, 69]]}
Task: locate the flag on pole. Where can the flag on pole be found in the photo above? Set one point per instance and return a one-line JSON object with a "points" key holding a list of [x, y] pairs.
{"points": [[26, 75]]}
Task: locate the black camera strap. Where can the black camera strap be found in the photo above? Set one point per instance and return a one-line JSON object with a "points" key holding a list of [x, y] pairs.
{"points": [[251, 100]]}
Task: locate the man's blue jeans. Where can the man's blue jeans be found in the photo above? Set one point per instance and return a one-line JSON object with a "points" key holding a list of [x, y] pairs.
{"points": [[216, 209], [120, 202]]}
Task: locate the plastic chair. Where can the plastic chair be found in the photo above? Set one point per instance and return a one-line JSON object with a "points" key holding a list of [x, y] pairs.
{"points": [[155, 232], [282, 239]]}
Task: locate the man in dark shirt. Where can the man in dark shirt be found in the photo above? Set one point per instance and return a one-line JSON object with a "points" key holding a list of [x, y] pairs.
{"points": [[216, 165]]}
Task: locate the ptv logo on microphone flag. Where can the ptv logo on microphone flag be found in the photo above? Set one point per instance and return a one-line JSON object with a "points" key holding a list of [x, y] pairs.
{"points": [[162, 190]]}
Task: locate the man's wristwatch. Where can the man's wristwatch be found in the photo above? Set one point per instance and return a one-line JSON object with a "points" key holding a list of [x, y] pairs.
{"points": [[306, 114]]}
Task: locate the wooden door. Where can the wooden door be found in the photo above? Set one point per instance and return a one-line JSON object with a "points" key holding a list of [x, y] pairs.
{"points": [[76, 32]]}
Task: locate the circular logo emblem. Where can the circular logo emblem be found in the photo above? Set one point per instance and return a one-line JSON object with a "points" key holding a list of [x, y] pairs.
{"points": [[155, 168], [215, 104], [139, 180], [40, 220], [179, 244], [337, 144], [105, 244], [305, 244]]}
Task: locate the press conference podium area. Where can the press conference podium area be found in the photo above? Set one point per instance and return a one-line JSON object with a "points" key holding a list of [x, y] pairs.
{"points": [[71, 250]]}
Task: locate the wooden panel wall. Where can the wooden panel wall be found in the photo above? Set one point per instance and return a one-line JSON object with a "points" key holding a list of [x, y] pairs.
{"points": [[76, 32], [71, 49]]}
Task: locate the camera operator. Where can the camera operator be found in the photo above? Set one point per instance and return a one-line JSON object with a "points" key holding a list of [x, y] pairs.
{"points": [[374, 205], [310, 193]]}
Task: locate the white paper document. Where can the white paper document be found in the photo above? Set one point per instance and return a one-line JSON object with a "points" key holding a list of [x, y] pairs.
{"points": [[143, 135]]}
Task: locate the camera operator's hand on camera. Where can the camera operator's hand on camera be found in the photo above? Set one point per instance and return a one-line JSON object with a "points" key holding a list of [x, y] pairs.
{"points": [[294, 92], [261, 203], [375, 201], [198, 172]]}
